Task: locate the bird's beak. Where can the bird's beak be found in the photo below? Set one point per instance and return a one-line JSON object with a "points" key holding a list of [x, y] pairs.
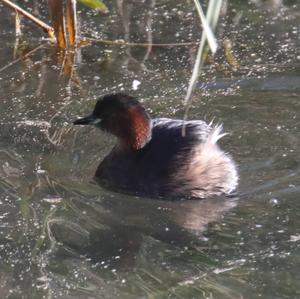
{"points": [[88, 120]]}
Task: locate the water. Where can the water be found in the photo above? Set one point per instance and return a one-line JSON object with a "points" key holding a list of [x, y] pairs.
{"points": [[63, 236]]}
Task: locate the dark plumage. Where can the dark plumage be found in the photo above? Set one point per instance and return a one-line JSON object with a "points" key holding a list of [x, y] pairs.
{"points": [[153, 157]]}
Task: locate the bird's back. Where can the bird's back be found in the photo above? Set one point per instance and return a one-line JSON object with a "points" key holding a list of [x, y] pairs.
{"points": [[175, 163]]}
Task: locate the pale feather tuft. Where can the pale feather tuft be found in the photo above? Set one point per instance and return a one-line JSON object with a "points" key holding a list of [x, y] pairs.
{"points": [[210, 170], [216, 133]]}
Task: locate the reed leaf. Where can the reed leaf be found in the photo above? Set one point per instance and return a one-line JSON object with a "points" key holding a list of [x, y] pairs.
{"points": [[95, 4], [209, 23], [206, 23]]}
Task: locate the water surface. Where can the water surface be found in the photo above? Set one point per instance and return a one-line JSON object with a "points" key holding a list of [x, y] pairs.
{"points": [[63, 236]]}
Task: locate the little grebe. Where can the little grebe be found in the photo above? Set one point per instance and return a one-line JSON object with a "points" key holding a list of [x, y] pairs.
{"points": [[154, 158]]}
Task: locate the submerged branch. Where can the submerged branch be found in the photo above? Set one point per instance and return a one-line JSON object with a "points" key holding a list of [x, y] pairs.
{"points": [[50, 32], [130, 44], [21, 58], [35, 20]]}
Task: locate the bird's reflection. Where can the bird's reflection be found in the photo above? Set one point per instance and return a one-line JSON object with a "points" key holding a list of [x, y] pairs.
{"points": [[125, 224]]}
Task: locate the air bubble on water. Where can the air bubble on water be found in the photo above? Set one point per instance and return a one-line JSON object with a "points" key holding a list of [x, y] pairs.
{"points": [[294, 238], [135, 84], [274, 201], [52, 199]]}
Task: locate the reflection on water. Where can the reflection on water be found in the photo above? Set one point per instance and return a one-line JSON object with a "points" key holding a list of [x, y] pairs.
{"points": [[116, 227], [62, 236]]}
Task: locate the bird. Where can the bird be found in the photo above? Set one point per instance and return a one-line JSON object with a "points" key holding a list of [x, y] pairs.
{"points": [[153, 158]]}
